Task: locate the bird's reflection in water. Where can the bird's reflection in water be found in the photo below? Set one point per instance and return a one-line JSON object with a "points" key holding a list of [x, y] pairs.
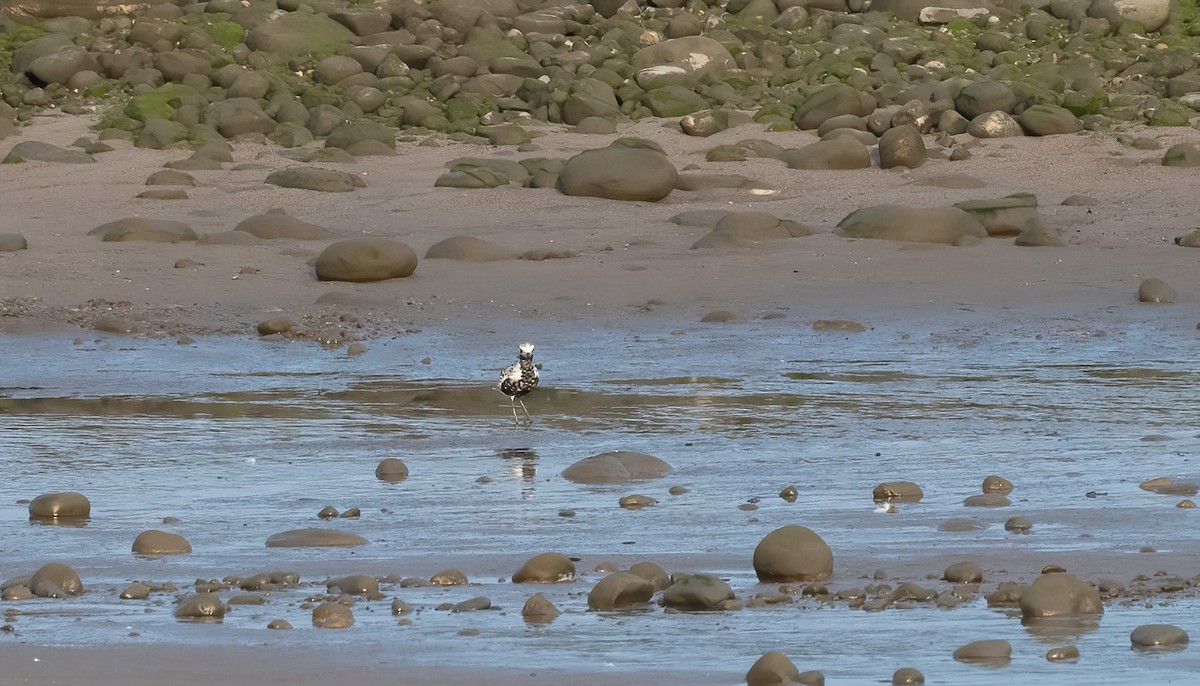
{"points": [[524, 466]]}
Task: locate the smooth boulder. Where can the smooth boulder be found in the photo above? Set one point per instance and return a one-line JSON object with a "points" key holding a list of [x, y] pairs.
{"points": [[697, 592], [316, 179], [201, 607], [55, 580], [616, 467], [275, 224], [468, 249], [314, 538], [142, 229], [1059, 594], [1158, 635], [66, 505], [365, 259], [618, 590], [913, 224], [792, 553], [546, 568], [391, 470], [155, 542], [619, 173]]}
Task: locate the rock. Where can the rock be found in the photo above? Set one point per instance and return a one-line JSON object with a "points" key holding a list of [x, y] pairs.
{"points": [[707, 122], [653, 573], [589, 98], [355, 584], [316, 179], [674, 101], [789, 494], [546, 568], [986, 500], [164, 194], [66, 505], [1191, 240], [924, 225], [472, 605], [279, 325], [468, 249], [449, 577], [792, 553], [843, 325], [962, 524], [239, 116], [141, 229], [201, 607], [348, 136], [1036, 235], [1003, 216], [45, 152], [965, 572], [898, 491], [155, 542], [1048, 120], [721, 317], [1156, 291], [984, 97], [365, 259], [12, 242], [279, 624], [619, 173], [697, 592], [1018, 525], [997, 484], [636, 502], [615, 467], [1182, 155], [55, 580], [391, 470], [902, 146], [135, 591], [595, 126], [772, 669], [994, 125], [332, 616], [539, 609], [1168, 486], [275, 224], [746, 229], [618, 590], [686, 60], [292, 34], [1062, 654], [314, 538], [907, 676], [1150, 15], [841, 152], [170, 177], [831, 100], [1156, 635], [990, 651], [1058, 594]]}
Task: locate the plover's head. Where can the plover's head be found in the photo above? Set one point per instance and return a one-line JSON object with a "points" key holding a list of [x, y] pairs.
{"points": [[526, 348]]}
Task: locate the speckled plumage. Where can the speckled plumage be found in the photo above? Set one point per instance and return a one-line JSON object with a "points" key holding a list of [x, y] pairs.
{"points": [[519, 379]]}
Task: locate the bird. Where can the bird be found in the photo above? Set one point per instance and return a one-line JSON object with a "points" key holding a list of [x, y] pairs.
{"points": [[884, 507], [518, 380]]}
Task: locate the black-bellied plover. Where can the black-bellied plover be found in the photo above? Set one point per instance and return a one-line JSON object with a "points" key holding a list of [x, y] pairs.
{"points": [[518, 380]]}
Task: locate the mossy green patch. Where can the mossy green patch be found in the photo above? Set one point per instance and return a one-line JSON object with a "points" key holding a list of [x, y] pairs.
{"points": [[226, 33], [160, 102]]}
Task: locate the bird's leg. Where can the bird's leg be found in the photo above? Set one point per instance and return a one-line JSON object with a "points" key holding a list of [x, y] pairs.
{"points": [[512, 403], [528, 419]]}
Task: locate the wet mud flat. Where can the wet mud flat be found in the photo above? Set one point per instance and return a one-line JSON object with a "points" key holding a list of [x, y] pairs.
{"points": [[226, 442]]}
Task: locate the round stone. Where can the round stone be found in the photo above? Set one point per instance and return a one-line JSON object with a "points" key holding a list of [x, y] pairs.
{"points": [[1018, 525], [997, 484], [907, 676], [314, 538], [618, 590], [201, 607], [1155, 635], [989, 651], [697, 592], [67, 505], [155, 542], [964, 572], [546, 568], [772, 669], [539, 609], [792, 553], [365, 259], [332, 616], [616, 467], [1062, 654], [898, 492], [619, 173], [391, 470], [55, 580], [1057, 594]]}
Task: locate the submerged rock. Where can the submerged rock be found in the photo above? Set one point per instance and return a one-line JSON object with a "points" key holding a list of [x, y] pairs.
{"points": [[1060, 594], [314, 538], [546, 568], [619, 590], [616, 467], [66, 506]]}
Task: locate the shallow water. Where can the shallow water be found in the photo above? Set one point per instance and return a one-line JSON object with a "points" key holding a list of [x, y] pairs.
{"points": [[240, 439]]}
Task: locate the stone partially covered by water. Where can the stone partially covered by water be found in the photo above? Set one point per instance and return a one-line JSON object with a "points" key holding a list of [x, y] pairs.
{"points": [[68, 505], [55, 580], [619, 590], [793, 553], [616, 467], [1158, 635], [155, 542], [546, 568], [1059, 594], [697, 592], [314, 538]]}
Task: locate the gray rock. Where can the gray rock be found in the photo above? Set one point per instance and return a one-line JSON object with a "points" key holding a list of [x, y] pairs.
{"points": [[829, 101], [142, 229], [1059, 594], [994, 125], [589, 98], [745, 229], [59, 66], [1156, 291], [170, 177], [839, 152], [697, 592], [276, 224], [1182, 155], [1048, 120], [468, 249], [619, 590], [1005, 216], [619, 173], [237, 116], [45, 152], [297, 33], [365, 259], [981, 97], [1157, 635], [316, 179], [346, 135], [691, 57], [12, 242], [923, 225], [902, 146]]}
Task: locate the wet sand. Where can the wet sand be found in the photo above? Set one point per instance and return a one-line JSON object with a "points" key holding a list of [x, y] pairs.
{"points": [[635, 272]]}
